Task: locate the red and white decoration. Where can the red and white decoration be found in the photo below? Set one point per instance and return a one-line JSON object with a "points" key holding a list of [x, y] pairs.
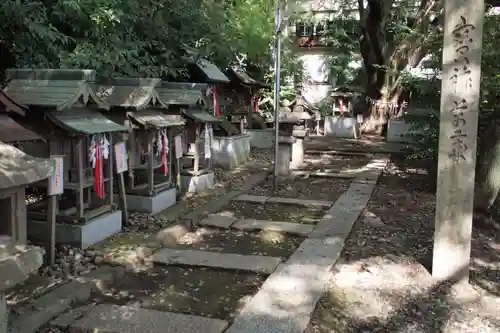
{"points": [[255, 103], [215, 99], [162, 148], [98, 152], [209, 134]]}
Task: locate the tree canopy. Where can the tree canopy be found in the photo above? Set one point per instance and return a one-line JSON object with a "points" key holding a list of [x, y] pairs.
{"points": [[134, 37]]}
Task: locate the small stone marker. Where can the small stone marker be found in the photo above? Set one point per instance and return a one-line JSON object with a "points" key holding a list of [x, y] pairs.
{"points": [[283, 227], [218, 221], [300, 202], [460, 93], [251, 263], [123, 319]]}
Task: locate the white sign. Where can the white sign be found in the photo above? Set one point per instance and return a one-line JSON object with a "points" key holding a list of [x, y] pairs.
{"points": [[56, 182], [121, 157], [178, 146]]}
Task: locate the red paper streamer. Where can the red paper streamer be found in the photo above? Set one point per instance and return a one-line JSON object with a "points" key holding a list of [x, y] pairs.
{"points": [[99, 172], [256, 98], [216, 103], [164, 154]]}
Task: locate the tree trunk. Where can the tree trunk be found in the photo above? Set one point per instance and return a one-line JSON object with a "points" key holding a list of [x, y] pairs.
{"points": [[384, 59], [488, 171]]}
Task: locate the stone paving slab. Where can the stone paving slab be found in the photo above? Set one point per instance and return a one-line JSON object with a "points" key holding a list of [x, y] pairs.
{"points": [[218, 221], [300, 202], [288, 297], [122, 319], [251, 263], [252, 198], [266, 225], [340, 218]]}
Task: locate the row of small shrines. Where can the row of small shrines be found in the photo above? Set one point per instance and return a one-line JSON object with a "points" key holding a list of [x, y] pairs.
{"points": [[163, 133], [77, 154]]}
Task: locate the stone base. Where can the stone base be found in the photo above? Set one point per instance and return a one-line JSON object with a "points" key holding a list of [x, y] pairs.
{"points": [[197, 183], [399, 131], [154, 204], [79, 235], [231, 151], [341, 127], [285, 155], [263, 139], [297, 153]]}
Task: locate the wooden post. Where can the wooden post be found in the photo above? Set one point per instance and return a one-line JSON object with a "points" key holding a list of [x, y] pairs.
{"points": [[55, 187], [196, 166], [457, 138], [121, 167], [178, 158], [110, 172], [242, 124], [132, 159], [51, 215], [151, 180], [80, 207]]}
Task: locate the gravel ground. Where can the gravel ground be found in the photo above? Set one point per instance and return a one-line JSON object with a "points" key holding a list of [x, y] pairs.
{"points": [[327, 189], [274, 212], [381, 283], [265, 243]]}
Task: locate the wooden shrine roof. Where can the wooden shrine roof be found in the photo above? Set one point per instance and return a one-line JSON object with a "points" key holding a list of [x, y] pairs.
{"points": [[200, 115], [229, 128], [241, 76], [11, 131], [301, 101], [179, 93], [18, 168], [156, 119], [10, 105], [54, 88], [208, 71], [136, 93], [84, 121]]}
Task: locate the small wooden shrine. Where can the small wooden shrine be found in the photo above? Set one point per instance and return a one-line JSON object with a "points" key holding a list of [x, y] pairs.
{"points": [[342, 101], [242, 96], [306, 111], [17, 260], [17, 170], [197, 167], [137, 104], [64, 111]]}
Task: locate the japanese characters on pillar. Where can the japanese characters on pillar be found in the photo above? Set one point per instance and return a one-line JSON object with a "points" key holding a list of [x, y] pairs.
{"points": [[457, 137]]}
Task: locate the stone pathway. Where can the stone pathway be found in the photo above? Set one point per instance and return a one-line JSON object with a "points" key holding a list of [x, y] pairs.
{"points": [[295, 257]]}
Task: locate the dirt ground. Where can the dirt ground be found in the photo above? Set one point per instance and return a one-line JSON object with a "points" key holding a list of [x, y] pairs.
{"points": [[327, 189], [265, 243], [197, 291], [275, 212], [382, 282]]}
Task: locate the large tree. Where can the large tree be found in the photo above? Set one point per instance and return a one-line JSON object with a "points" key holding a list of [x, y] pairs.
{"points": [[394, 36]]}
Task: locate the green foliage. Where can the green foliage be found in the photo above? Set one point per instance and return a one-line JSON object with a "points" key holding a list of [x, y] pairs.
{"points": [[135, 37], [426, 93]]}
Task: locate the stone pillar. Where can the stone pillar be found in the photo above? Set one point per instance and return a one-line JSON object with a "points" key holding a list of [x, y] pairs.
{"points": [[298, 148], [457, 138], [284, 154], [4, 314]]}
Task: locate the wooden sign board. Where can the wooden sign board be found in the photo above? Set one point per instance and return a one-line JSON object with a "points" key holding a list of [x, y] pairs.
{"points": [[178, 146], [121, 157], [56, 182]]}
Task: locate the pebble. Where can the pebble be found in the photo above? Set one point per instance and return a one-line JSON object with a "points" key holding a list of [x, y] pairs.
{"points": [[72, 262]]}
